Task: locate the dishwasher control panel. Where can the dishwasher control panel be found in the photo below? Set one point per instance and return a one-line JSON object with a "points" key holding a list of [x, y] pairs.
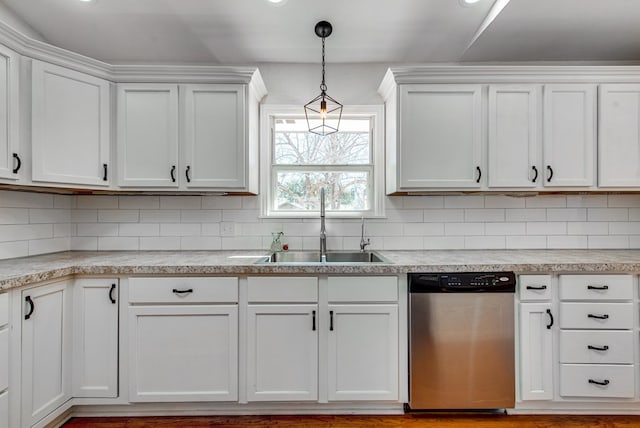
{"points": [[469, 282]]}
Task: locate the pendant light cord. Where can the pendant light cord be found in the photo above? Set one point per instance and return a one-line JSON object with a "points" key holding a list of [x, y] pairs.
{"points": [[323, 86]]}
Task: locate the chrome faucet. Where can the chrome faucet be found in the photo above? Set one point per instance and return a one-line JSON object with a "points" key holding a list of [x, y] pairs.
{"points": [[363, 242], [323, 230]]}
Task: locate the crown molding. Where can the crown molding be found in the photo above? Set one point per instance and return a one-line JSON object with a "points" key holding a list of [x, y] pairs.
{"points": [[39, 50]]}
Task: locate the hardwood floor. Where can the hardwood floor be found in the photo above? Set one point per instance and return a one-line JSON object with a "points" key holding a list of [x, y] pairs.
{"points": [[349, 421]]}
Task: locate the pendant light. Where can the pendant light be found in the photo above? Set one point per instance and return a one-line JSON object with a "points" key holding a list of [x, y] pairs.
{"points": [[323, 109]]}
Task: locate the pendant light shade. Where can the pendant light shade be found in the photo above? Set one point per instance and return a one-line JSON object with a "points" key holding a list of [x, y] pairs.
{"points": [[323, 113]]}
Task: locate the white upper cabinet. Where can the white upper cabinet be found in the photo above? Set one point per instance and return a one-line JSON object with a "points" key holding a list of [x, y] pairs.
{"points": [[619, 135], [214, 135], [70, 126], [569, 134], [10, 159], [148, 135], [514, 136], [440, 140]]}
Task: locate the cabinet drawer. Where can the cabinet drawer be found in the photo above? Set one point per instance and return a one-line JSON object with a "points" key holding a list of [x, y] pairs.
{"points": [[4, 409], [4, 309], [600, 347], [596, 287], [534, 287], [283, 289], [596, 315], [183, 290], [578, 380], [4, 360], [363, 289]]}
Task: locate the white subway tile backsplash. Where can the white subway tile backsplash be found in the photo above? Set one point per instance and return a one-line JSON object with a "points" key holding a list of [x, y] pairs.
{"points": [[49, 215], [180, 202], [566, 242], [147, 202], [200, 216], [484, 242], [505, 229], [443, 242], [463, 229], [13, 249], [23, 232], [624, 228], [180, 229], [414, 202], [200, 243], [588, 228], [586, 201], [634, 214], [546, 201], [221, 202], [97, 201], [608, 241], [244, 216], [526, 214], [97, 229], [423, 229], [52, 245], [484, 214], [159, 216], [382, 229], [404, 216], [11, 199], [63, 201], [139, 229], [84, 216], [459, 201], [547, 228], [107, 243], [634, 241], [118, 216], [250, 202], [566, 214], [213, 229], [607, 214], [526, 242], [159, 243], [14, 216], [62, 230], [444, 215], [84, 243], [628, 201], [402, 243], [244, 242], [503, 201]]}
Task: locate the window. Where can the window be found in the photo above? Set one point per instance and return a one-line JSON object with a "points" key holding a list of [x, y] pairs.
{"points": [[297, 163]]}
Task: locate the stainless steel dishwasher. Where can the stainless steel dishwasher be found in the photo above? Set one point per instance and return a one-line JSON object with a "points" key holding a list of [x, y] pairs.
{"points": [[461, 341]]}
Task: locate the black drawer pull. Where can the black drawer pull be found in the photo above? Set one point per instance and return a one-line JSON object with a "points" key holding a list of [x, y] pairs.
{"points": [[313, 325], [188, 290], [111, 290], [187, 173], [173, 173], [479, 174], [330, 320], [597, 287], [535, 177], [536, 287], [603, 383], [598, 348], [599, 317], [32, 307], [104, 172], [19, 163], [550, 319], [550, 173]]}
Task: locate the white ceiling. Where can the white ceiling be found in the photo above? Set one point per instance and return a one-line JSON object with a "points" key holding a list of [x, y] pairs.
{"points": [[391, 31]]}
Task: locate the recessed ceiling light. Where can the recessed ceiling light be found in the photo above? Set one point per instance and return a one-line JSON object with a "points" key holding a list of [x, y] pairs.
{"points": [[276, 2], [471, 1], [86, 1]]}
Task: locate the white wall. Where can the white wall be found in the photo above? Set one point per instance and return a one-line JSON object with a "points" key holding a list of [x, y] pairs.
{"points": [[7, 16], [34, 223]]}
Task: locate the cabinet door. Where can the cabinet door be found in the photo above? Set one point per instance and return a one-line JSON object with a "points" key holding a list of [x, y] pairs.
{"points": [[95, 338], [10, 160], [514, 122], [70, 126], [536, 357], [619, 136], [363, 352], [183, 353], [440, 136], [214, 135], [148, 135], [46, 353], [569, 134], [282, 353]]}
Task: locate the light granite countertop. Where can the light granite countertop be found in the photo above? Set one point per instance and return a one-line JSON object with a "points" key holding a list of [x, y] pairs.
{"points": [[28, 270]]}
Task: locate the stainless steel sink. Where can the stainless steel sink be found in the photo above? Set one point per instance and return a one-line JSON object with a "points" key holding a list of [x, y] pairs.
{"points": [[313, 257]]}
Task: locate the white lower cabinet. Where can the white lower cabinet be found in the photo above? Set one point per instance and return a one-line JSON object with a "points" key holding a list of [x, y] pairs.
{"points": [[597, 380], [184, 352], [95, 337], [4, 360], [363, 352], [536, 356], [46, 352], [4, 409], [282, 352]]}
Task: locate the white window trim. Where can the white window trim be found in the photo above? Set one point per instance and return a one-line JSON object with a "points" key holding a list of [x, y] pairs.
{"points": [[375, 112]]}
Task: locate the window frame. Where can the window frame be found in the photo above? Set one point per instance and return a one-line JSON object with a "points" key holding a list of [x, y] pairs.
{"points": [[268, 114]]}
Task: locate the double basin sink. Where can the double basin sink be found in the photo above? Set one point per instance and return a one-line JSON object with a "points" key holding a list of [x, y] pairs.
{"points": [[333, 257]]}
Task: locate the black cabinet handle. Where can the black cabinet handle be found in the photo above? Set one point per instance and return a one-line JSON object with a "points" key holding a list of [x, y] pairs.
{"points": [[313, 325], [173, 173], [32, 307], [479, 174], [104, 175], [597, 287], [535, 171], [598, 348], [536, 287], [550, 173], [550, 319], [599, 317], [19, 163], [603, 383], [188, 290], [187, 174], [330, 320], [111, 290]]}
